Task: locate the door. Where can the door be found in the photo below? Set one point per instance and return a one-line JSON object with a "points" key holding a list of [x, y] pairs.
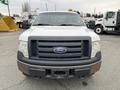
{"points": [[110, 19]]}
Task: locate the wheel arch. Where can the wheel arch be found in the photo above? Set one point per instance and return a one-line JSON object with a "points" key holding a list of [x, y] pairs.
{"points": [[99, 25]]}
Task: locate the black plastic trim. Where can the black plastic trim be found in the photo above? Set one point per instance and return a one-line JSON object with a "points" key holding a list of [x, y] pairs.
{"points": [[21, 58], [58, 38]]}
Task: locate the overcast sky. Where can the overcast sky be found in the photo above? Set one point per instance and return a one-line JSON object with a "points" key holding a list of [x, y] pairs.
{"points": [[81, 5]]}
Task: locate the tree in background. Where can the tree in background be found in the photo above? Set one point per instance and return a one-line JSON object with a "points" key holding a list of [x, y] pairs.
{"points": [[4, 2], [71, 10], [16, 15], [88, 15], [77, 12]]}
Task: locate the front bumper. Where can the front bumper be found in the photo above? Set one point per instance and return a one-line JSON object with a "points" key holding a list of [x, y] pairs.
{"points": [[67, 69]]}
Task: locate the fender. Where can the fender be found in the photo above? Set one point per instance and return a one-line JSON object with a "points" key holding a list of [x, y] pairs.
{"points": [[99, 22]]}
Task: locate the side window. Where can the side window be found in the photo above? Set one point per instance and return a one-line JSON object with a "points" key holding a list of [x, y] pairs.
{"points": [[110, 15]]}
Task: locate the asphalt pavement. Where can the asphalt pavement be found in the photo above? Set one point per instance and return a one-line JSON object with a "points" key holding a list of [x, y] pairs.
{"points": [[108, 78]]}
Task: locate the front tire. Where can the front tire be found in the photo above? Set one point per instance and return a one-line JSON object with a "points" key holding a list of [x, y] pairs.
{"points": [[99, 30]]}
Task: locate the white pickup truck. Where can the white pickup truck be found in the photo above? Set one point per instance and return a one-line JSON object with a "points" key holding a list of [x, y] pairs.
{"points": [[59, 45]]}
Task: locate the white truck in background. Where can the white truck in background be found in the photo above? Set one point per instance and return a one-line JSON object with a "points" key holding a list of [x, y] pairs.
{"points": [[27, 15], [110, 22]]}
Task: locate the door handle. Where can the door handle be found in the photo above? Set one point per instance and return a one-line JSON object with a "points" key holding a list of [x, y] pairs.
{"points": [[113, 22]]}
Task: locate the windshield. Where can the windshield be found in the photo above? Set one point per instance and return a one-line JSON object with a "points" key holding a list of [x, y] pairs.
{"points": [[58, 19], [110, 14]]}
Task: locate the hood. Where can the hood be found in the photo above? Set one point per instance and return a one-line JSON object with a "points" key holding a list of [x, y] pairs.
{"points": [[58, 31]]}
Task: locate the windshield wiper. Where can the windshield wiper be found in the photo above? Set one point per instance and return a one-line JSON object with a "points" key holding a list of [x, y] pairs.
{"points": [[42, 25], [69, 25]]}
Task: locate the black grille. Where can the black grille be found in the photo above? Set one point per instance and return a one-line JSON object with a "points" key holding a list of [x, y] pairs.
{"points": [[44, 49]]}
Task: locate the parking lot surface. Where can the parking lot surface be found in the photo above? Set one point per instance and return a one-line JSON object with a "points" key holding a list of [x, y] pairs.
{"points": [[108, 78]]}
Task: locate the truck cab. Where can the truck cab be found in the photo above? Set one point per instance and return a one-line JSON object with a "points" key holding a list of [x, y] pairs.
{"points": [[110, 22], [59, 45]]}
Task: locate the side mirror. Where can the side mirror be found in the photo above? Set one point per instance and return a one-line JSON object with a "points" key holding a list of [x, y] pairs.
{"points": [[106, 18]]}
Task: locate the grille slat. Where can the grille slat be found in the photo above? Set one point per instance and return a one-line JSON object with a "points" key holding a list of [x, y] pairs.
{"points": [[61, 59], [44, 49], [51, 49], [53, 44], [53, 55]]}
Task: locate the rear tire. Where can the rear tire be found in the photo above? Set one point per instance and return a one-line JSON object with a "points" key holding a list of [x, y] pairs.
{"points": [[99, 30]]}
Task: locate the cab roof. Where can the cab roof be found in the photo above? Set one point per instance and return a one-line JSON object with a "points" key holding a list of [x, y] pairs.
{"points": [[69, 12]]}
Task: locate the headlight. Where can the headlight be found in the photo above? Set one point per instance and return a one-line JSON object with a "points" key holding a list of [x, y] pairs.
{"points": [[23, 47], [95, 48]]}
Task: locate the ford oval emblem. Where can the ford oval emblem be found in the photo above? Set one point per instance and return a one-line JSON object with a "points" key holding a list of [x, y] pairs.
{"points": [[60, 50]]}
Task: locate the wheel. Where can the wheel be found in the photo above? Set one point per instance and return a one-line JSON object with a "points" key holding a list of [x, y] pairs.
{"points": [[99, 30]]}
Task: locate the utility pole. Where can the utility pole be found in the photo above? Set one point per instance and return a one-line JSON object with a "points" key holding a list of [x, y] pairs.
{"points": [[46, 6], [94, 11], [29, 7], [8, 8], [55, 7]]}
